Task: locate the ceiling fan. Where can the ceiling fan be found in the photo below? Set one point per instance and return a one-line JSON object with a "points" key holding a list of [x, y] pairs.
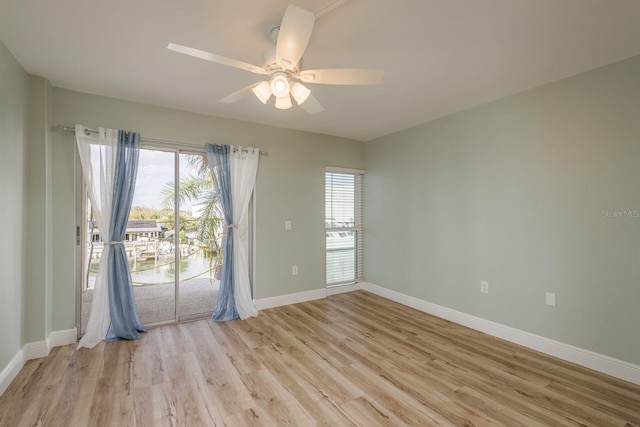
{"points": [[283, 66]]}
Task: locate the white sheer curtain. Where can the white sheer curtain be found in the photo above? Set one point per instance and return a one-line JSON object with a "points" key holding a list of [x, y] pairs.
{"points": [[243, 164], [97, 155]]}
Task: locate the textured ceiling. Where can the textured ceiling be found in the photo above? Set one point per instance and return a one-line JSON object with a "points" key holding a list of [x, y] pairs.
{"points": [[439, 56]]}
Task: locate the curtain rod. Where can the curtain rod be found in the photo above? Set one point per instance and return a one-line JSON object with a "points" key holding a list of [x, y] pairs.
{"points": [[180, 144]]}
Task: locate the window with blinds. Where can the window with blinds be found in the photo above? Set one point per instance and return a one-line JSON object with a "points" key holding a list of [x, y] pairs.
{"points": [[343, 226]]}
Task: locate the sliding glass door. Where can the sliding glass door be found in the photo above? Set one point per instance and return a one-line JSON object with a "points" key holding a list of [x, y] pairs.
{"points": [[199, 226], [172, 240]]}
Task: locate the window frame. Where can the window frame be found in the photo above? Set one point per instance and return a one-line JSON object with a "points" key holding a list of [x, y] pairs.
{"points": [[357, 227]]}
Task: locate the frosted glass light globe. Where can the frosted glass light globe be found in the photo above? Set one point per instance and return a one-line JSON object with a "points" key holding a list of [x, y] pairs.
{"points": [[280, 86]]}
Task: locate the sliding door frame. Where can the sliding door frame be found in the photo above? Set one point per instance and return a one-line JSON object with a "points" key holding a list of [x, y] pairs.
{"points": [[81, 242]]}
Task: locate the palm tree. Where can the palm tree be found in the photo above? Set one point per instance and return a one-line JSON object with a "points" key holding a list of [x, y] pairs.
{"points": [[198, 188]]}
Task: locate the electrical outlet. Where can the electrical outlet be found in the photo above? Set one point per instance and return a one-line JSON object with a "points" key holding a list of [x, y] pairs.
{"points": [[484, 287], [550, 299], [294, 270], [287, 225]]}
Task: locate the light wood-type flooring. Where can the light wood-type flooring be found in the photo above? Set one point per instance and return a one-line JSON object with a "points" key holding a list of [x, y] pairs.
{"points": [[350, 359]]}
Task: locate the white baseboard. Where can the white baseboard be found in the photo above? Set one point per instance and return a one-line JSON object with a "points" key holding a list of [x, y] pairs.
{"points": [[60, 338], [271, 302], [34, 350], [280, 300], [11, 370], [589, 359], [341, 289]]}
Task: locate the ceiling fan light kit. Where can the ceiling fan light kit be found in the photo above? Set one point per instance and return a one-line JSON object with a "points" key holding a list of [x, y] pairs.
{"points": [[284, 64], [280, 85], [262, 91], [283, 102], [299, 92]]}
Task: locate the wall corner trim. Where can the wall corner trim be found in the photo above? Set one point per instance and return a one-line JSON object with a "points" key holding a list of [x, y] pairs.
{"points": [[598, 362], [34, 350]]}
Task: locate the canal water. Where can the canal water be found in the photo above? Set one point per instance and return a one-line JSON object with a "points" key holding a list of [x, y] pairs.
{"points": [[162, 271]]}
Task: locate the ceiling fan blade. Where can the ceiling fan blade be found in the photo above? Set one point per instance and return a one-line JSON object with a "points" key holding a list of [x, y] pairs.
{"points": [[293, 36], [208, 56], [311, 105], [238, 95], [343, 76]]}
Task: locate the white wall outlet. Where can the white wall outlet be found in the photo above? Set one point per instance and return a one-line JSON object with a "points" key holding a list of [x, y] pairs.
{"points": [[287, 225], [294, 270], [484, 287], [551, 299]]}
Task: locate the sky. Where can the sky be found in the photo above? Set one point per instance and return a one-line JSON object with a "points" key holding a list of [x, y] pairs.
{"points": [[155, 170]]}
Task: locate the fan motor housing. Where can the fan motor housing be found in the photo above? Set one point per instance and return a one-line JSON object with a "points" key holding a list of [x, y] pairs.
{"points": [[269, 63]]}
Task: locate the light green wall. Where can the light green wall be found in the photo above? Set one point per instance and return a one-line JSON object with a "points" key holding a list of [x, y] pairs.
{"points": [[38, 251], [516, 192], [63, 239], [14, 98], [290, 186]]}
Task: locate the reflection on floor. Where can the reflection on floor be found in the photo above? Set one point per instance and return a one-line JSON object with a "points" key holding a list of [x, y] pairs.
{"points": [[156, 303]]}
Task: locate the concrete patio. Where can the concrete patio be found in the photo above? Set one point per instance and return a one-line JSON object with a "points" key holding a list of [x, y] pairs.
{"points": [[156, 303]]}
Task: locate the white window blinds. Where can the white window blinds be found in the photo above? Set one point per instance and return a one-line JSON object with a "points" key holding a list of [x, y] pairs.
{"points": [[343, 227]]}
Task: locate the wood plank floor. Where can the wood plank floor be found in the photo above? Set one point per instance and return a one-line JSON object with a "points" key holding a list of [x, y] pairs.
{"points": [[351, 359]]}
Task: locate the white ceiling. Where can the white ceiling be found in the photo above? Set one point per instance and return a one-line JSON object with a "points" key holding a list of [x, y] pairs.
{"points": [[439, 56]]}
